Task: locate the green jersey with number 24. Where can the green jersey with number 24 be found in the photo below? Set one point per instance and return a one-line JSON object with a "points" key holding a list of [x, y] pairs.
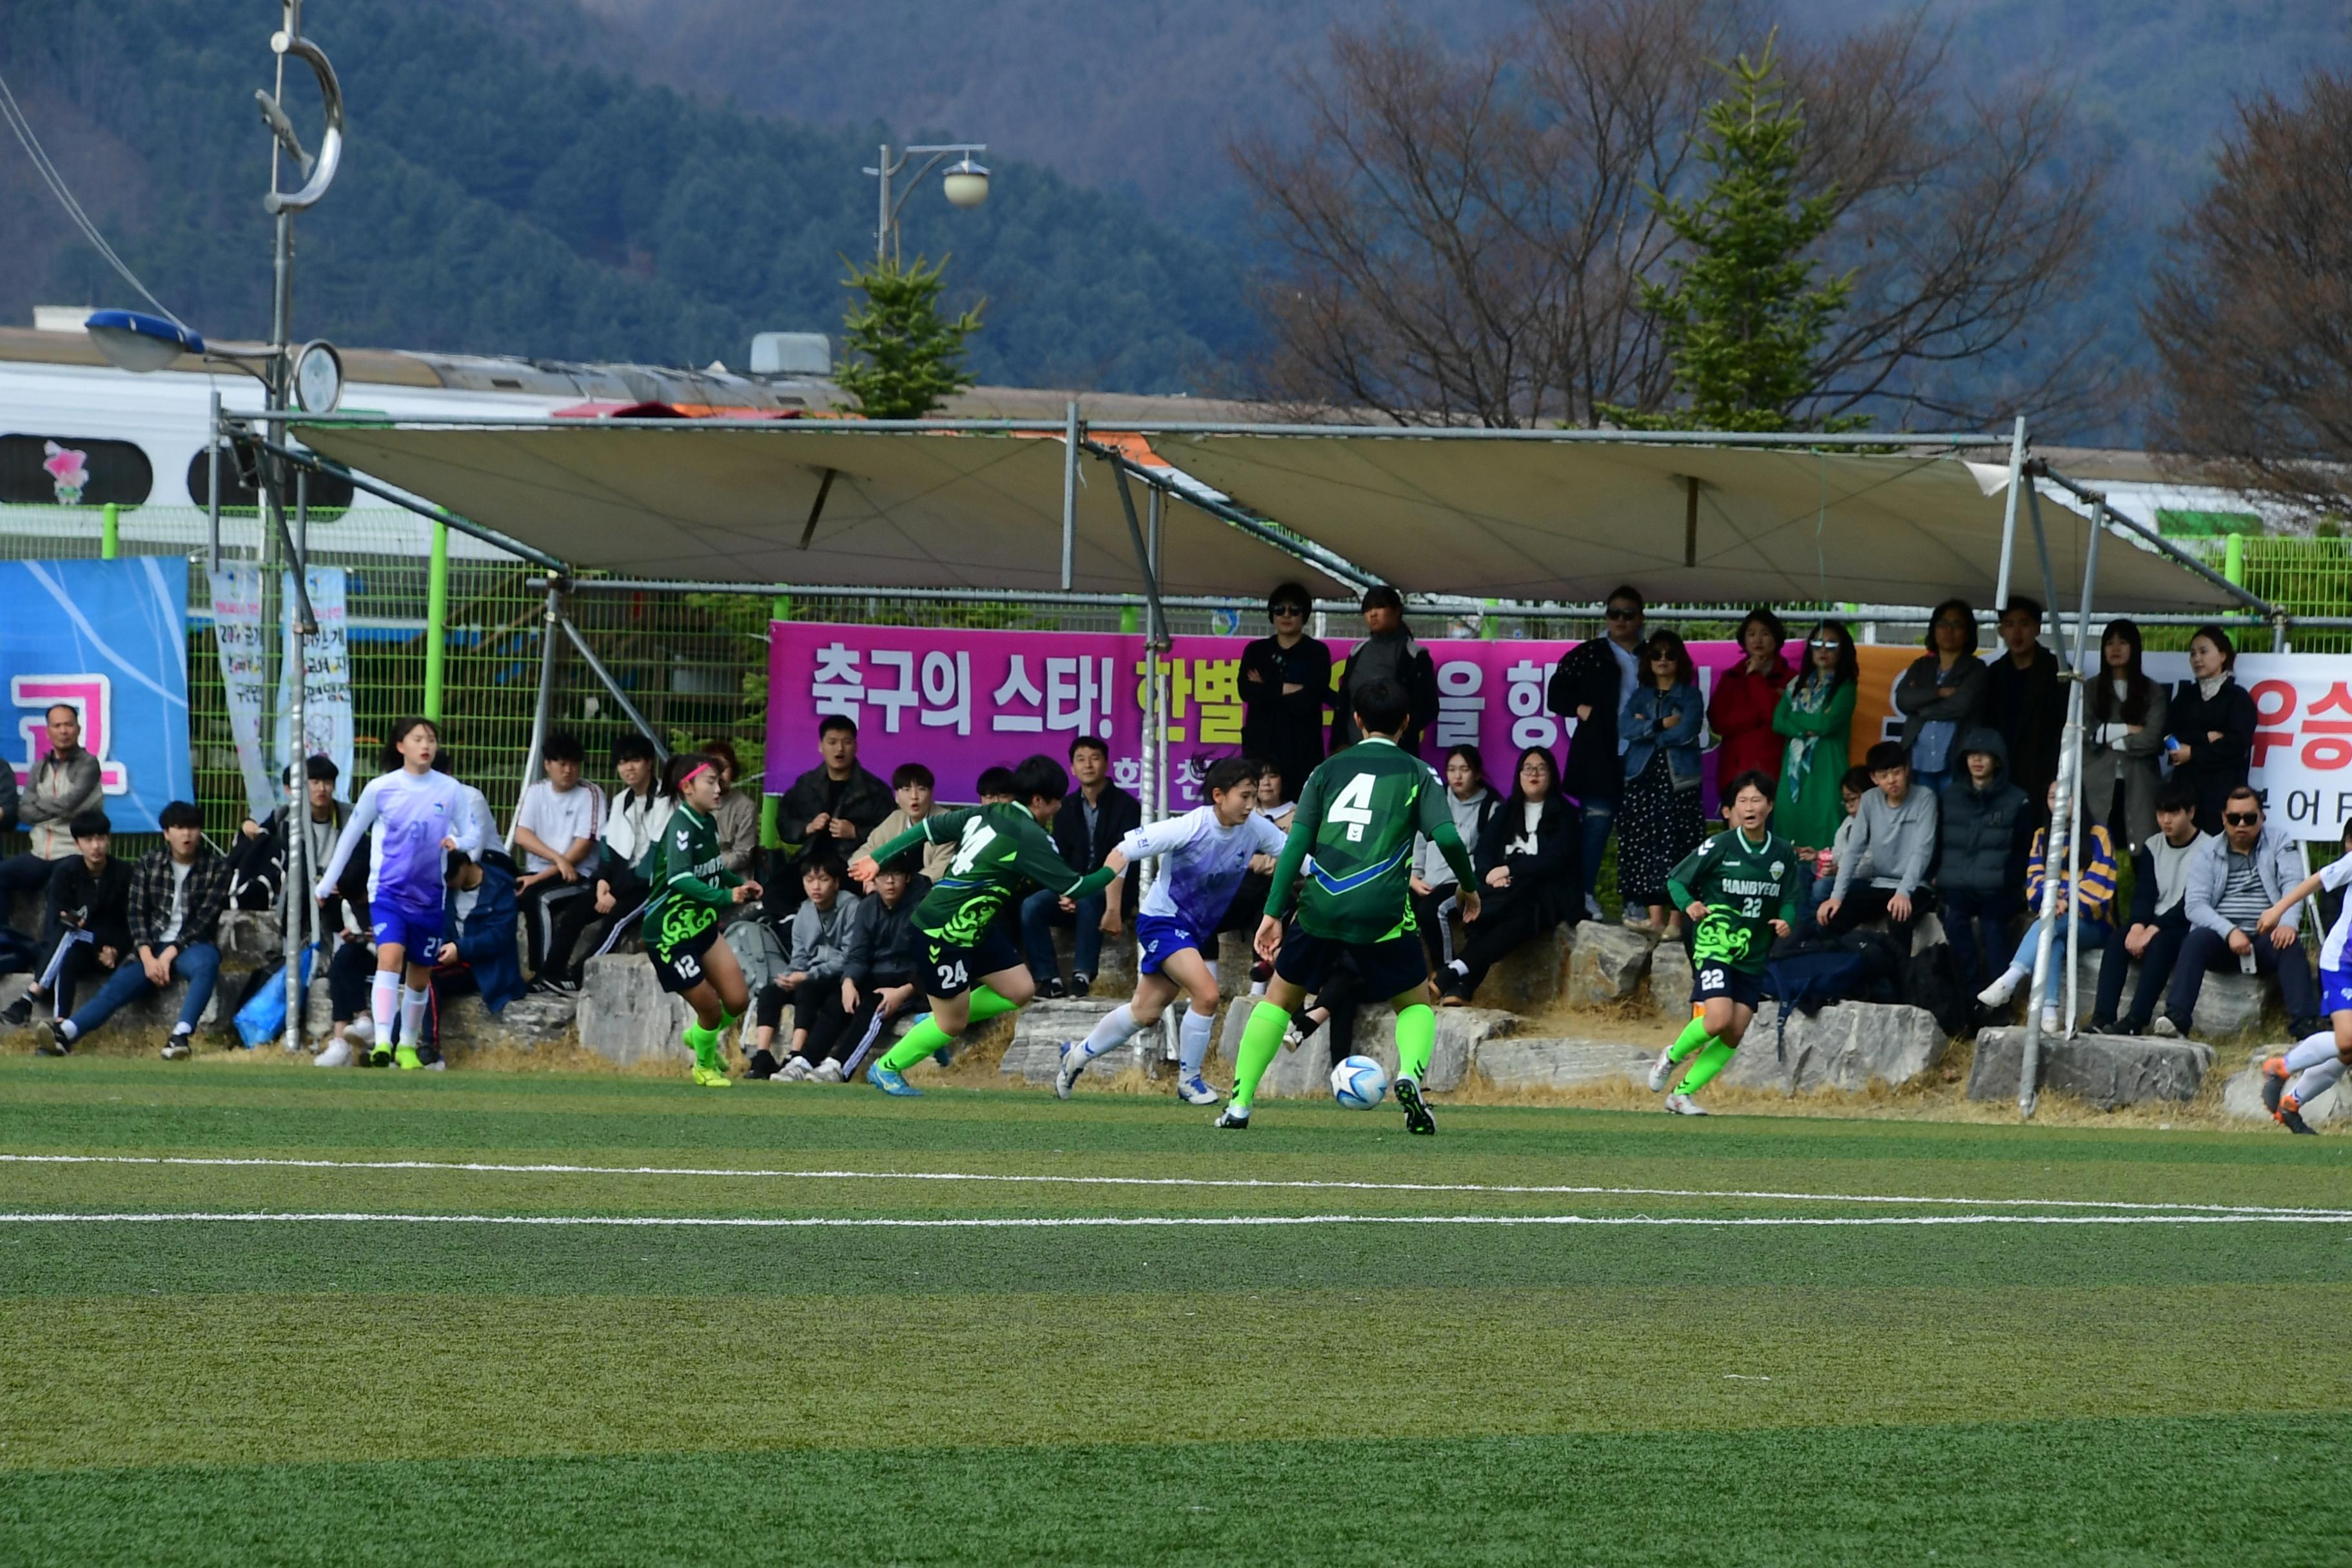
{"points": [[1745, 884], [1000, 852]]}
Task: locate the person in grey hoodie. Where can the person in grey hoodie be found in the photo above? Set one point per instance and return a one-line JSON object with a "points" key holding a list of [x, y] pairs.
{"points": [[1982, 863], [817, 957], [1884, 868], [1435, 894]]}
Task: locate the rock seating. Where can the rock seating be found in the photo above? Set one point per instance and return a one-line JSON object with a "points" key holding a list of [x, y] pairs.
{"points": [[1606, 963], [2242, 1097], [1043, 1027], [1846, 1045], [1518, 1062], [2105, 1070], [1670, 985], [623, 1014]]}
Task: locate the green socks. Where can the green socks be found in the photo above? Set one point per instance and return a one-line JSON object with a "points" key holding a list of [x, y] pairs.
{"points": [[1693, 1037], [928, 1037], [1416, 1038], [1261, 1038], [1710, 1062], [704, 1043]]}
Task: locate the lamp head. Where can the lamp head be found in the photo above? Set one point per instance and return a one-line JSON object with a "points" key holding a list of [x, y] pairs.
{"points": [[133, 340], [966, 183]]}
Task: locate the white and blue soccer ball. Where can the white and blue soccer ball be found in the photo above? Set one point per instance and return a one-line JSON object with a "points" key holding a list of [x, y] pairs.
{"points": [[1358, 1083]]}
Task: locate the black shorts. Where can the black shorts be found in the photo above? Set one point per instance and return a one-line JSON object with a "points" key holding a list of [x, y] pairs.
{"points": [[682, 970], [955, 970], [1717, 979], [1389, 968]]}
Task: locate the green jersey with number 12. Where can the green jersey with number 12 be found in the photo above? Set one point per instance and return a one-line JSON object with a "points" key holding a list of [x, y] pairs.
{"points": [[1358, 817], [1745, 885], [1000, 852]]}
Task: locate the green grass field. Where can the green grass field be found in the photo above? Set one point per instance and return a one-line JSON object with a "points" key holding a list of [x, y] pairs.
{"points": [[812, 1325]]}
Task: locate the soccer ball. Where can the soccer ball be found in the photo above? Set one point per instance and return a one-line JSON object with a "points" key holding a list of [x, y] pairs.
{"points": [[1358, 1083]]}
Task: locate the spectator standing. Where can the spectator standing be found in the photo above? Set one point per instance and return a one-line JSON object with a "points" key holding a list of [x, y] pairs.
{"points": [[1094, 817], [1664, 726], [1389, 652], [632, 824], [1590, 689], [835, 805], [2159, 922], [2232, 879], [177, 894], [87, 929], [1747, 698], [2024, 699], [1285, 680], [1883, 869], [914, 787], [2089, 903], [64, 784], [1942, 695], [2210, 725], [1434, 895], [1526, 863], [1985, 819], [1816, 714], [2124, 718], [556, 828]]}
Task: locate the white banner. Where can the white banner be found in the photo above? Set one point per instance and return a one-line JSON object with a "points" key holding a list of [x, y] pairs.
{"points": [[2303, 734], [236, 633], [327, 676]]}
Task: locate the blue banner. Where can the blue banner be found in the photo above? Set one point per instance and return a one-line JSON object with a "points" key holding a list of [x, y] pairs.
{"points": [[110, 639]]}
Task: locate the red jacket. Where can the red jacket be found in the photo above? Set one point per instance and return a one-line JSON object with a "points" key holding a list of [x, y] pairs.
{"points": [[1741, 715]]}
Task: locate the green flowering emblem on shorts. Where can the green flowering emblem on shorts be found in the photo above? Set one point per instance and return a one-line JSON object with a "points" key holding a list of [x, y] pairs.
{"points": [[683, 922]]}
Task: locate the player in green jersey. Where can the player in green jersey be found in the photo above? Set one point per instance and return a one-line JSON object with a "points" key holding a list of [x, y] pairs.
{"points": [[1739, 889], [690, 888], [1001, 851], [1357, 815]]}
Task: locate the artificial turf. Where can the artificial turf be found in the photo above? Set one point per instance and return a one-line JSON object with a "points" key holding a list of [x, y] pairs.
{"points": [[446, 1388]]}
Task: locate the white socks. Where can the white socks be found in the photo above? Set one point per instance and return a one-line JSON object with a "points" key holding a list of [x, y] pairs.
{"points": [[1194, 1037], [2311, 1050], [383, 1004], [1111, 1031], [2314, 1081], [412, 1015]]}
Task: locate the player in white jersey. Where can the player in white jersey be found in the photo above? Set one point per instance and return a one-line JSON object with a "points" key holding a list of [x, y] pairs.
{"points": [[2320, 1059], [411, 817], [1208, 850]]}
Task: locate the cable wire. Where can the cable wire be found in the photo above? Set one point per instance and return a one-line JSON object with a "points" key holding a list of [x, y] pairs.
{"points": [[17, 122]]}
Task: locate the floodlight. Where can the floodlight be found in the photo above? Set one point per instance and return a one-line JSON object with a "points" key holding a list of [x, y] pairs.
{"points": [[133, 340]]}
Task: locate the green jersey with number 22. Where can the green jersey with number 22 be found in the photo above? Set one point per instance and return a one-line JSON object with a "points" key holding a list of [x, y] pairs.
{"points": [[1745, 885]]}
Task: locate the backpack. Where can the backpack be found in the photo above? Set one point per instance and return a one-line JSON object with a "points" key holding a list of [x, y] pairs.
{"points": [[1806, 976], [1884, 963], [1932, 981]]}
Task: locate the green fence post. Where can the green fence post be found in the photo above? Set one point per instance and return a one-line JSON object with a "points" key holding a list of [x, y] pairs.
{"points": [[110, 539], [1490, 628], [780, 608], [2233, 559], [436, 621], [1127, 620]]}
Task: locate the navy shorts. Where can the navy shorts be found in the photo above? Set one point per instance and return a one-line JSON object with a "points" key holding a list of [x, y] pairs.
{"points": [[1389, 968], [955, 969], [1717, 979], [681, 969], [417, 932], [1161, 937]]}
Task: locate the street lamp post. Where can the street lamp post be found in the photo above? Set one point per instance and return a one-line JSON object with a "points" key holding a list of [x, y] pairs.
{"points": [[965, 185]]}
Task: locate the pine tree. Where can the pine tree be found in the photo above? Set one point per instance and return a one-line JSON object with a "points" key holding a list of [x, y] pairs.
{"points": [[1742, 318], [904, 358]]}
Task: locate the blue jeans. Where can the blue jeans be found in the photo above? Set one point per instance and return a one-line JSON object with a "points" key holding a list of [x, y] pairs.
{"points": [[198, 965], [1599, 817], [1937, 781], [2054, 987], [1040, 913], [1978, 922]]}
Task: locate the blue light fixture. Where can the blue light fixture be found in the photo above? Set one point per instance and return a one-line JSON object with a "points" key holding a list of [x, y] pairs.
{"points": [[133, 340]]}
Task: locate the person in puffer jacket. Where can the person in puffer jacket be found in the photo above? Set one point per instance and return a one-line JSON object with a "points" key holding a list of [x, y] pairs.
{"points": [[1984, 824], [2093, 897], [1435, 896]]}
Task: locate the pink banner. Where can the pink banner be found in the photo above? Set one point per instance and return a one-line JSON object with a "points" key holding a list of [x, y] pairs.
{"points": [[961, 701]]}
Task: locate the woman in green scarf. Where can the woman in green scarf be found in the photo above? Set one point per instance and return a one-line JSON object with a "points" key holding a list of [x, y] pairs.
{"points": [[1815, 713]]}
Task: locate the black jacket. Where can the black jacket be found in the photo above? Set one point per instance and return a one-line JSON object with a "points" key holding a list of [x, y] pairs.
{"points": [[1420, 672], [1551, 876], [884, 942], [1117, 814], [864, 800], [1591, 677], [1286, 731], [2028, 706], [1984, 831], [2145, 893], [2214, 768], [99, 905]]}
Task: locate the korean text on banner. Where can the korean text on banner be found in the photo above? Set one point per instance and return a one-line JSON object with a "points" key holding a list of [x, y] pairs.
{"points": [[108, 638], [236, 635], [327, 676]]}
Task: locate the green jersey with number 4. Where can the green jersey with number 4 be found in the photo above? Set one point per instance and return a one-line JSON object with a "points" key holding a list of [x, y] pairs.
{"points": [[1358, 817], [1000, 852], [1745, 884]]}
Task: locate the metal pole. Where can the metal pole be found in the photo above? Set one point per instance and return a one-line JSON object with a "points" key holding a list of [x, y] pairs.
{"points": [[596, 667], [298, 756], [2074, 828], [1070, 498], [2009, 515], [211, 492], [437, 622], [882, 217], [2029, 1074], [2049, 582], [544, 710]]}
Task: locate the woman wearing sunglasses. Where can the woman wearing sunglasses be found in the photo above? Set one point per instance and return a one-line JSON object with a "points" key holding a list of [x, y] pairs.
{"points": [[1816, 714], [1285, 680]]}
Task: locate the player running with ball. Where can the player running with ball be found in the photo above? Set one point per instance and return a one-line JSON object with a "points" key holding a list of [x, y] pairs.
{"points": [[975, 971], [2318, 1060], [692, 887], [1209, 850], [1357, 815], [1739, 889]]}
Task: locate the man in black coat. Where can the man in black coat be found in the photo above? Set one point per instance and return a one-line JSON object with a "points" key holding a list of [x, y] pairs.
{"points": [[1094, 817], [2024, 700], [1587, 689], [836, 802], [88, 927], [1390, 652]]}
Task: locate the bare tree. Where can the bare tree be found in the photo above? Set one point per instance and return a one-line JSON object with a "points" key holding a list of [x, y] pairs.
{"points": [[1463, 238], [2253, 327]]}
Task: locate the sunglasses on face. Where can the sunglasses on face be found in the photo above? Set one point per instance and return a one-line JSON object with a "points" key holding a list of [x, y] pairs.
{"points": [[2240, 819], [1829, 643], [1621, 615], [1281, 610]]}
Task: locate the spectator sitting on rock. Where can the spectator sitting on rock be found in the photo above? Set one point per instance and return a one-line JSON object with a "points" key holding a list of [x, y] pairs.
{"points": [[817, 957], [916, 792], [65, 783], [2233, 879], [1525, 862], [882, 980], [2159, 922], [1435, 896], [639, 811], [87, 929], [2093, 897], [1852, 787], [556, 828], [257, 862], [1881, 869], [177, 894], [1984, 817], [477, 928]]}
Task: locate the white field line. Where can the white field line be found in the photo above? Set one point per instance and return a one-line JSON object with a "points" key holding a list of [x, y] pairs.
{"points": [[815, 1221], [1220, 1182]]}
